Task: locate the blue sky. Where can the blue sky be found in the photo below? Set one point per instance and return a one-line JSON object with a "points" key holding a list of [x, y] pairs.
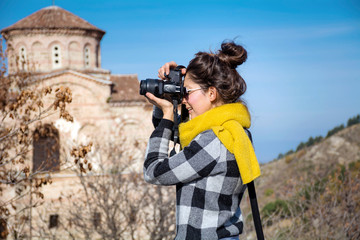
{"points": [[303, 67]]}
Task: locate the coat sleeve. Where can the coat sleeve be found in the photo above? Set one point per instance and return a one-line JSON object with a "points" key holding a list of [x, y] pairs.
{"points": [[195, 161], [157, 116]]}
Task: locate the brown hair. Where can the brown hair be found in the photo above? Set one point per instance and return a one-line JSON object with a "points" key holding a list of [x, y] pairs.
{"points": [[219, 70]]}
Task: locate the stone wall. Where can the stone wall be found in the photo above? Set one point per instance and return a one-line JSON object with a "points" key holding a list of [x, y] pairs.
{"points": [[39, 51]]}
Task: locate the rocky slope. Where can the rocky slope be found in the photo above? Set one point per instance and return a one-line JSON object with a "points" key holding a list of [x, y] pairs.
{"points": [[317, 160], [284, 178]]}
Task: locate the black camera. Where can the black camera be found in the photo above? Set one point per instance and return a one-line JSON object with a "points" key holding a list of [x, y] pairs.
{"points": [[174, 85]]}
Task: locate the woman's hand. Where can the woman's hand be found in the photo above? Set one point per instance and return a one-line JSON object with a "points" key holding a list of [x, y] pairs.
{"points": [[165, 69], [163, 104]]}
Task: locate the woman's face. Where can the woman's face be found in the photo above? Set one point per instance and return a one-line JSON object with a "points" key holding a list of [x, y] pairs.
{"points": [[197, 102]]}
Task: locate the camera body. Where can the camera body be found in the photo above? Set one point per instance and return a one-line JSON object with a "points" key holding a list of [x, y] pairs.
{"points": [[174, 85]]}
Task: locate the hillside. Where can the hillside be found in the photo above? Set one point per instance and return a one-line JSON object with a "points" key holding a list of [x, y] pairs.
{"points": [[311, 185]]}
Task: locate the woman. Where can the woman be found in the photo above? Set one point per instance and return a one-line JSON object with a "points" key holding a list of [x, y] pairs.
{"points": [[217, 158]]}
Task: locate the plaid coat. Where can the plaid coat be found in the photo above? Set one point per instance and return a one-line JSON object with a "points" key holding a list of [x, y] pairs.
{"points": [[208, 183]]}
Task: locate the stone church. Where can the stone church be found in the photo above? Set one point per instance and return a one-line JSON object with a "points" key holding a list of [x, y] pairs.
{"points": [[63, 49]]}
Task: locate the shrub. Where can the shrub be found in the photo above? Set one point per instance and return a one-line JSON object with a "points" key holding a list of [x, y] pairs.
{"points": [[335, 130], [289, 152], [278, 207], [289, 158], [353, 121], [269, 192], [354, 166], [300, 146], [300, 153]]}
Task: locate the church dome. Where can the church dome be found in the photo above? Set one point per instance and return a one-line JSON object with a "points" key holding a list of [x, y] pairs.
{"points": [[52, 39], [52, 17]]}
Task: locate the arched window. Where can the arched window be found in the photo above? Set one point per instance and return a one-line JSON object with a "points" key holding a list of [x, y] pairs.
{"points": [[22, 58], [97, 57], [54, 220], [87, 56], [46, 152], [37, 55], [3, 229], [56, 56]]}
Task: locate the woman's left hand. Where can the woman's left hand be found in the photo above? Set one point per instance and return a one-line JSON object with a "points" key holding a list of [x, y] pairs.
{"points": [[163, 104]]}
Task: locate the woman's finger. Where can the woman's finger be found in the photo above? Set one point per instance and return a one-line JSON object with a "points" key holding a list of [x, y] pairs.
{"points": [[151, 98], [162, 72], [170, 65], [155, 100], [183, 71], [165, 69]]}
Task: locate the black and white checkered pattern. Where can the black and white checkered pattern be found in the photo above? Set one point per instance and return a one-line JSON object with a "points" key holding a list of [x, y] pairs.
{"points": [[207, 179]]}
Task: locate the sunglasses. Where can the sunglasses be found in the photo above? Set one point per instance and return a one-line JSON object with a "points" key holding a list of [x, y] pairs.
{"points": [[189, 91]]}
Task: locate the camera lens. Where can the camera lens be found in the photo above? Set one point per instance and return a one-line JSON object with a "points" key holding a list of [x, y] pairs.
{"points": [[143, 87], [153, 86]]}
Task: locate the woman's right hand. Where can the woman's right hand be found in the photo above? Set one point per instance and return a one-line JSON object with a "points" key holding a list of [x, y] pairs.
{"points": [[165, 69], [165, 105]]}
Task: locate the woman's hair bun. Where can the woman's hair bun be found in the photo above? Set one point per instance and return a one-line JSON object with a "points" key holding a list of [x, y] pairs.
{"points": [[219, 70], [232, 54]]}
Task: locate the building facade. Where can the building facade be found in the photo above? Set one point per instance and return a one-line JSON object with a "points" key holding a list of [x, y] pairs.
{"points": [[62, 49]]}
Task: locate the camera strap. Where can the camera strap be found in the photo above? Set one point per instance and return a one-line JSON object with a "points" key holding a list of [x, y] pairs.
{"points": [[253, 202], [255, 210], [176, 126]]}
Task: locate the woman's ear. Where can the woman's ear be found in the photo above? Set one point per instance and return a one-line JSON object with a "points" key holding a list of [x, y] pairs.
{"points": [[212, 94]]}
